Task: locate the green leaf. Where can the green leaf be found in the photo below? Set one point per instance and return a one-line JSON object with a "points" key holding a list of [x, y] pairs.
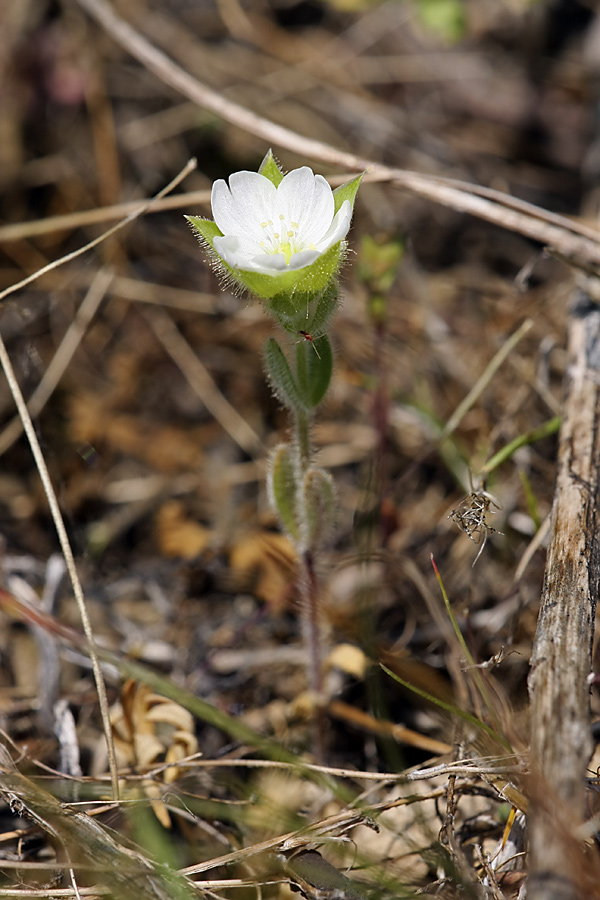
{"points": [[204, 229], [320, 507], [282, 485], [448, 707], [347, 191], [270, 169], [314, 361], [281, 377]]}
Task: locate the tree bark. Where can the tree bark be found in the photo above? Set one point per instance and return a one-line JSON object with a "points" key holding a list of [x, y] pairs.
{"points": [[561, 661]]}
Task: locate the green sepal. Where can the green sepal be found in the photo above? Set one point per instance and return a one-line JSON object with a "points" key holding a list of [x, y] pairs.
{"points": [[204, 229], [270, 169], [314, 364], [324, 308], [282, 486], [311, 279], [347, 191], [280, 375], [320, 507], [308, 312], [289, 310]]}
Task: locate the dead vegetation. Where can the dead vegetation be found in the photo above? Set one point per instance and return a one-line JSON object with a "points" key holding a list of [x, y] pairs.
{"points": [[149, 402]]}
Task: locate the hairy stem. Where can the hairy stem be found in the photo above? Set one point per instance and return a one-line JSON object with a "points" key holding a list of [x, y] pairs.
{"points": [[303, 439]]}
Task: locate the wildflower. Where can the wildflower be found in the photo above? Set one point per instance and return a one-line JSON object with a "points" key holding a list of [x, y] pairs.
{"points": [[276, 234]]}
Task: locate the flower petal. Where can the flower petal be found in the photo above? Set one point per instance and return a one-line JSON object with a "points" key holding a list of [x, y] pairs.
{"points": [[240, 207], [339, 228], [307, 199], [228, 249], [303, 258]]}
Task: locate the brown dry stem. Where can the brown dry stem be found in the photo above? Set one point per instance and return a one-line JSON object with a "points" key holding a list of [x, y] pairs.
{"points": [[561, 659]]}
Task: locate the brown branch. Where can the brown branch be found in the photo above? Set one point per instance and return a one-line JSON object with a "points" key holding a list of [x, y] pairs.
{"points": [[561, 660]]}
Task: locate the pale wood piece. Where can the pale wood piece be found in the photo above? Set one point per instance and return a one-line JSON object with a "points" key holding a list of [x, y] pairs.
{"points": [[561, 742]]}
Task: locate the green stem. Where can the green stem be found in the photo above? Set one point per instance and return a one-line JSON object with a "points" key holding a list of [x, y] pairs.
{"points": [[303, 439], [309, 591], [311, 623]]}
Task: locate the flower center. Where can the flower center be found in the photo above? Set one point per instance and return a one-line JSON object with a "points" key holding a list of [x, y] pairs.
{"points": [[281, 236]]}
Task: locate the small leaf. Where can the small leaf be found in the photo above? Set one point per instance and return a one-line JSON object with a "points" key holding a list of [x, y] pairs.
{"points": [[282, 485], [314, 360], [320, 507], [270, 169], [347, 191], [283, 381]]}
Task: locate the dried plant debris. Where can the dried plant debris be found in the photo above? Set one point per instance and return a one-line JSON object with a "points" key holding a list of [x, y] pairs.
{"points": [[471, 517], [152, 733]]}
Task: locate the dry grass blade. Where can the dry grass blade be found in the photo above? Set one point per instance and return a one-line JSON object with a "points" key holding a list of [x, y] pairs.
{"points": [[139, 211], [84, 843], [465, 405], [62, 357], [199, 378]]}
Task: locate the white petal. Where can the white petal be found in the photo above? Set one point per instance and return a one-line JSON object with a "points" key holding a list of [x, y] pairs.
{"points": [[269, 263], [339, 228], [307, 199], [228, 249], [232, 250], [276, 263], [304, 258], [237, 252], [240, 207]]}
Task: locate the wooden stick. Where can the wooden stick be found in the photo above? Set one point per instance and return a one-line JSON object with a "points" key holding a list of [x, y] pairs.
{"points": [[561, 661]]}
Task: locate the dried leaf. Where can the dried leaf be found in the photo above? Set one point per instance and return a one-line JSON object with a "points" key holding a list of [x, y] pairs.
{"points": [[269, 561], [149, 729]]}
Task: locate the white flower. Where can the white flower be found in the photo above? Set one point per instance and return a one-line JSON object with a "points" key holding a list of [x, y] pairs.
{"points": [[270, 230]]}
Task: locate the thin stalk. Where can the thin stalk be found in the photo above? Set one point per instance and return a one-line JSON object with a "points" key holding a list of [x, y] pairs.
{"points": [[309, 601], [311, 622], [303, 439], [68, 557]]}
